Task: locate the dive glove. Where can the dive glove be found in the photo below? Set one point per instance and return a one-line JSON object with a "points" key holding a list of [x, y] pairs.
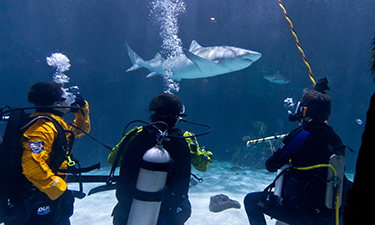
{"points": [[79, 101]]}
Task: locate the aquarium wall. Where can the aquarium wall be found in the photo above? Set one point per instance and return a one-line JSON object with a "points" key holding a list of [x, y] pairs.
{"points": [[239, 106]]}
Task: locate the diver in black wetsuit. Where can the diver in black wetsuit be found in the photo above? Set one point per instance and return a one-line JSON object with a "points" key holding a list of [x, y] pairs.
{"points": [[303, 195], [182, 148]]}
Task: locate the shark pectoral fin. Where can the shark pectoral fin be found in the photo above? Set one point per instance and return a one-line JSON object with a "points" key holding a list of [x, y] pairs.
{"points": [[203, 65], [152, 74], [134, 67]]}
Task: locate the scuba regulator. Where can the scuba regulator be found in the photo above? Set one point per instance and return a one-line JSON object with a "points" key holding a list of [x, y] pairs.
{"points": [[299, 114]]}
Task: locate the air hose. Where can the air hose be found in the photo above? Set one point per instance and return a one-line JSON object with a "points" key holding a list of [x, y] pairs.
{"points": [[337, 219]]}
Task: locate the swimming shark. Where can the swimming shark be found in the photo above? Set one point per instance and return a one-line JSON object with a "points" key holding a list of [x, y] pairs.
{"points": [[197, 62], [276, 78]]}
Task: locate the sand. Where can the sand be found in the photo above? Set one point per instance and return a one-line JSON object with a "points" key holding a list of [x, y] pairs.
{"points": [[218, 179]]}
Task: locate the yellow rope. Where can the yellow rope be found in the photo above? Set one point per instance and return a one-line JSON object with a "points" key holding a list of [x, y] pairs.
{"points": [[298, 44]]}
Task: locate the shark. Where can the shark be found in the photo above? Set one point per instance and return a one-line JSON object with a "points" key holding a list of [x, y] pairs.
{"points": [[276, 78], [197, 62]]}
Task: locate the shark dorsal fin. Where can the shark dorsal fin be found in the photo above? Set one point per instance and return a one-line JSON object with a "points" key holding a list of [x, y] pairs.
{"points": [[158, 57], [194, 45], [203, 64]]}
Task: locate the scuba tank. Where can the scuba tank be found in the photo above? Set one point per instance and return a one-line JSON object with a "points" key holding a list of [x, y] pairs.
{"points": [[335, 181], [279, 183], [150, 186]]}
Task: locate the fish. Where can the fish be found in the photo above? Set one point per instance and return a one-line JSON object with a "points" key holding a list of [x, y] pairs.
{"points": [[276, 78], [197, 62]]}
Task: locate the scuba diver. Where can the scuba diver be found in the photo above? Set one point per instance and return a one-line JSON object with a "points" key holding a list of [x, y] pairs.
{"points": [[357, 208], [46, 142], [302, 199], [183, 149]]}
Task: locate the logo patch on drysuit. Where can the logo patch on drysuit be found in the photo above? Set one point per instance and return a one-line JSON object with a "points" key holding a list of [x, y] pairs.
{"points": [[43, 210], [36, 146]]}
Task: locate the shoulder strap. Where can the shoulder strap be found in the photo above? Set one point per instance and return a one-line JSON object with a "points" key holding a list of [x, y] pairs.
{"points": [[292, 135], [60, 144], [120, 153]]}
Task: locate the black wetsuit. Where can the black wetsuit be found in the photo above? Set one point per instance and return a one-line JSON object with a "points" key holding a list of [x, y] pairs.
{"points": [[303, 191], [175, 208]]}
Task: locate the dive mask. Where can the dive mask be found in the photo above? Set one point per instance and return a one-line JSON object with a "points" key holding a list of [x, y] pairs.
{"points": [[299, 114], [182, 113], [66, 99]]}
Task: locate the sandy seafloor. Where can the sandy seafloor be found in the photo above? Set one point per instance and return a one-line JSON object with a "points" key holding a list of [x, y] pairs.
{"points": [[218, 179]]}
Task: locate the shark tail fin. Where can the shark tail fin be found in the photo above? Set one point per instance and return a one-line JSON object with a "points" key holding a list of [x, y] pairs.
{"points": [[136, 59]]}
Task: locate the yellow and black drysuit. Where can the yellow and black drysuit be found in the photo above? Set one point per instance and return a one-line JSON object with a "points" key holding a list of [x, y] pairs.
{"points": [[183, 151], [39, 148]]}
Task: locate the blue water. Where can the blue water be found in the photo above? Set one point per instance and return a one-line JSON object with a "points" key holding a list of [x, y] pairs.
{"points": [[335, 36]]}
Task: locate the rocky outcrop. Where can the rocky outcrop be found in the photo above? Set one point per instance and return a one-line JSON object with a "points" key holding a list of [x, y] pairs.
{"points": [[222, 202], [252, 157]]}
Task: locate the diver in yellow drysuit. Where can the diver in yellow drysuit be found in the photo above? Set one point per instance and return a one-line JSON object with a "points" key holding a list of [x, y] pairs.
{"points": [[46, 197]]}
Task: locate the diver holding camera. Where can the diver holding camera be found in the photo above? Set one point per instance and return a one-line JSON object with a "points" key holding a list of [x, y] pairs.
{"points": [[38, 193]]}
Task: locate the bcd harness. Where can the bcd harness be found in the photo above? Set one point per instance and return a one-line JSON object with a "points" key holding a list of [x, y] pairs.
{"points": [[334, 178], [62, 151], [111, 179], [110, 185], [17, 123], [334, 181]]}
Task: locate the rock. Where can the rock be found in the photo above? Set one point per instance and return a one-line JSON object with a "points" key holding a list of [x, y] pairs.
{"points": [[222, 202]]}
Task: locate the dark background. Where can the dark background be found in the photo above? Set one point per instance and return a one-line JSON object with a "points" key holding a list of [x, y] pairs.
{"points": [[335, 36]]}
